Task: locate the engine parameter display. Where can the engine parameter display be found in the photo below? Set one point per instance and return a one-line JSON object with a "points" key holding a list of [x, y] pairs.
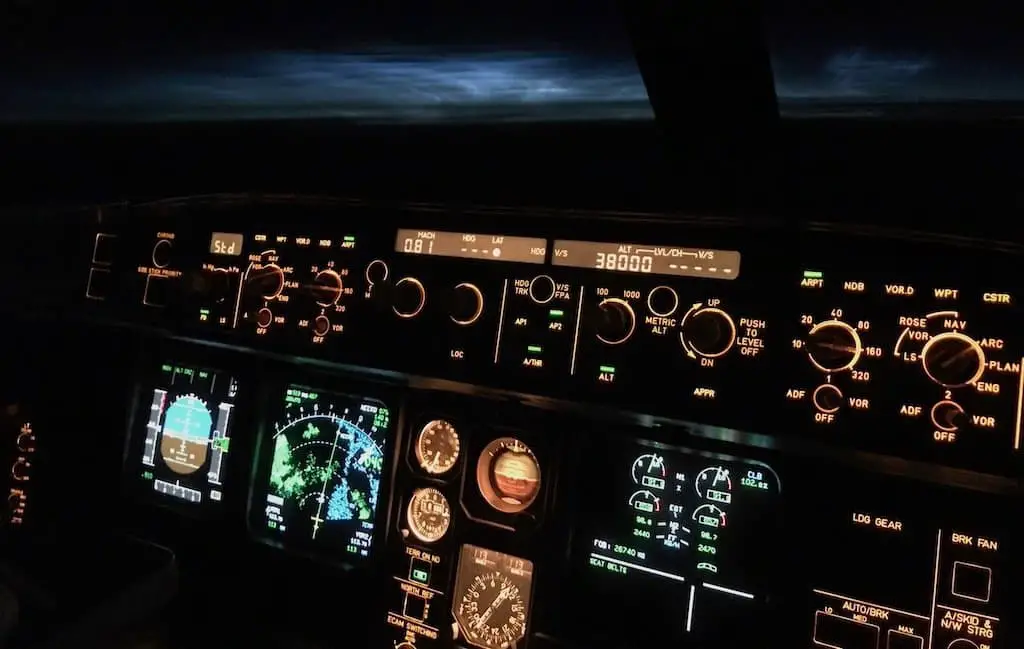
{"points": [[320, 470], [677, 526], [492, 247], [180, 445], [639, 258]]}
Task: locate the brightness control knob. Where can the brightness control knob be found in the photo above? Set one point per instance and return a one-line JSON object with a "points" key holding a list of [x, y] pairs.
{"points": [[409, 297], [327, 288], [467, 304], [833, 346], [827, 398], [616, 321], [708, 332], [953, 360]]}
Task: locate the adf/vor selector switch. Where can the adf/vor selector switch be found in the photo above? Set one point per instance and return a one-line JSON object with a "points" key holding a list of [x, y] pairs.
{"points": [[707, 331], [409, 297], [616, 321], [827, 398], [467, 304], [947, 416]]}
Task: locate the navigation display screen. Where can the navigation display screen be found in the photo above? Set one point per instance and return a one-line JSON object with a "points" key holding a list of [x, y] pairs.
{"points": [[679, 538], [319, 471], [181, 438]]}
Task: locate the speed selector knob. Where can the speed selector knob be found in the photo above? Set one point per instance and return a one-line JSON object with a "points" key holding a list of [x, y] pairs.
{"points": [[467, 304], [953, 360], [709, 332], [616, 321], [409, 297], [827, 398]]}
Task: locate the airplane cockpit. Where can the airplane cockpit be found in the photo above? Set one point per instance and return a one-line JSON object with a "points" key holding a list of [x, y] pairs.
{"points": [[543, 325]]}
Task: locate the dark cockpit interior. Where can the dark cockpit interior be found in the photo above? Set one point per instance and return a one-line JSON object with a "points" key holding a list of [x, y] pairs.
{"points": [[512, 325]]}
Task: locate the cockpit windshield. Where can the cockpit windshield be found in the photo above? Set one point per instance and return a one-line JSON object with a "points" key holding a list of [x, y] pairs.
{"points": [[897, 58], [386, 61]]}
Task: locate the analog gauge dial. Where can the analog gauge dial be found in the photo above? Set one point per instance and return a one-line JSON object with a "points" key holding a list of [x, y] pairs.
{"points": [[508, 475], [428, 515], [437, 447], [492, 598]]}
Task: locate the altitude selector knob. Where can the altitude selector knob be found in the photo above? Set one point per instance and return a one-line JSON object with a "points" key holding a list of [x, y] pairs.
{"points": [[409, 297], [616, 321], [709, 332]]}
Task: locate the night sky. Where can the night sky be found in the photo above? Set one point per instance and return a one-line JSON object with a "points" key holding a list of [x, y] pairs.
{"points": [[460, 60]]}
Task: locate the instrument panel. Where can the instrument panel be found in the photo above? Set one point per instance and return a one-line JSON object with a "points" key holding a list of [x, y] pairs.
{"points": [[843, 340]]}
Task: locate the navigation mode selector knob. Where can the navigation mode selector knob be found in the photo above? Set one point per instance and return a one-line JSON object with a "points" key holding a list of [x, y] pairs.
{"points": [[833, 346], [709, 332], [267, 281], [327, 288], [409, 297], [321, 325], [947, 416], [542, 289], [827, 398], [953, 360], [616, 321], [467, 304]]}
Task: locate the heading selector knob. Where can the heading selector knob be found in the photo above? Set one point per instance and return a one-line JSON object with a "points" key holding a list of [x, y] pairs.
{"points": [[542, 289], [409, 297], [708, 332], [616, 321], [833, 346], [953, 360], [467, 304]]}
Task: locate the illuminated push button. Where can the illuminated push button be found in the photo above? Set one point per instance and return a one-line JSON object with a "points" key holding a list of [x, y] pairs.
{"points": [[409, 297], [971, 582], [321, 325], [835, 631], [103, 249], [662, 301], [101, 281], [467, 304], [162, 253], [157, 291], [947, 416], [264, 317], [616, 321], [899, 640], [827, 398], [542, 289], [708, 332]]}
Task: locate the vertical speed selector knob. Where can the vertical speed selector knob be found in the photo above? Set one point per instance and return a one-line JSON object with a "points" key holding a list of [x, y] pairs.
{"points": [[616, 321], [467, 304], [707, 331], [409, 297]]}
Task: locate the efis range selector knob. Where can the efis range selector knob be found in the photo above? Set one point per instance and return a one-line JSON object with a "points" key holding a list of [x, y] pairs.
{"points": [[708, 331], [616, 321], [327, 288], [467, 304], [408, 297]]}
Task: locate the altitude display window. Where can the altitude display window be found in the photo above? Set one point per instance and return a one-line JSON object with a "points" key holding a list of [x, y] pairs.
{"points": [[319, 471], [181, 438]]}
